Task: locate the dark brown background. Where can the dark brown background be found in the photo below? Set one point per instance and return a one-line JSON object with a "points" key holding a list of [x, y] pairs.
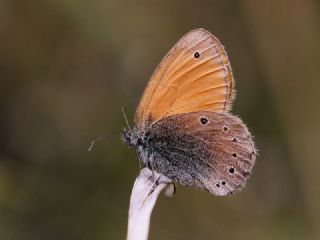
{"points": [[66, 67]]}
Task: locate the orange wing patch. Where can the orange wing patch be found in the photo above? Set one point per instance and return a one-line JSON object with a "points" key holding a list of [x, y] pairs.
{"points": [[194, 76]]}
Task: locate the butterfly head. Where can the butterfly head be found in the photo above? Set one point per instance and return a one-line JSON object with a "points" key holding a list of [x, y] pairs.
{"points": [[134, 138], [139, 141]]}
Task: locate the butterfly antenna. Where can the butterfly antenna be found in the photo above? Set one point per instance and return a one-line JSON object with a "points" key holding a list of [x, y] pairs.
{"points": [[125, 117], [99, 138]]}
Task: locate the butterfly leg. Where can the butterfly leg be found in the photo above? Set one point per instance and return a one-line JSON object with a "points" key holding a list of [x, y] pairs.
{"points": [[155, 183], [140, 166], [139, 159], [150, 166]]}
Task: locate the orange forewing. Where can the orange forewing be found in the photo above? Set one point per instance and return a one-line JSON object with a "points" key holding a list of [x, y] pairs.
{"points": [[194, 76]]}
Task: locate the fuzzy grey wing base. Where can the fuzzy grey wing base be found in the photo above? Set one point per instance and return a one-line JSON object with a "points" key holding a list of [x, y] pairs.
{"points": [[206, 150]]}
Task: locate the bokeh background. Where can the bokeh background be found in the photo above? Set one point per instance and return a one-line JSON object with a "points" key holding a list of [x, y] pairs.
{"points": [[67, 67]]}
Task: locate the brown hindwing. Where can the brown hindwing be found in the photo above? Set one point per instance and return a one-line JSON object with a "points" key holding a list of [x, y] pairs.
{"points": [[205, 150]]}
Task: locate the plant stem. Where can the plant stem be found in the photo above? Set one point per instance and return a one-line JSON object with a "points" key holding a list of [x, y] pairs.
{"points": [[145, 192]]}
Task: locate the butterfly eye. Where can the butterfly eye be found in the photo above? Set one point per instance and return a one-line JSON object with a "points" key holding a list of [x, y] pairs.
{"points": [[140, 141], [196, 55], [203, 120]]}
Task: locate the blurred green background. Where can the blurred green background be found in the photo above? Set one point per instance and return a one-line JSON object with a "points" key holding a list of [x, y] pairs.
{"points": [[67, 67]]}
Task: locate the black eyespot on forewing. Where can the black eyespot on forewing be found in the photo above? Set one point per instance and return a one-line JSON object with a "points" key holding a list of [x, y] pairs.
{"points": [[234, 155], [196, 55], [204, 120], [223, 183], [225, 128], [231, 170]]}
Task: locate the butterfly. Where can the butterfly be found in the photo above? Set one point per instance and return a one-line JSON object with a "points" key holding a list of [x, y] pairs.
{"points": [[183, 125]]}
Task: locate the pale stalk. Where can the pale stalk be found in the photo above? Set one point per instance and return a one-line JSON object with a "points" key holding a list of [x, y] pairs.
{"points": [[145, 192]]}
